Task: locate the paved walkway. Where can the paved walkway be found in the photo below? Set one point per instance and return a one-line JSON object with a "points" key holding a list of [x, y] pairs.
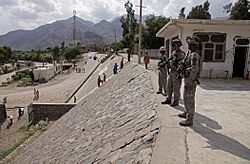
{"points": [[220, 133]]}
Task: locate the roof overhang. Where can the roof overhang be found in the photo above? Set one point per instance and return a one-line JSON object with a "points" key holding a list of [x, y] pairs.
{"points": [[168, 28], [176, 23]]}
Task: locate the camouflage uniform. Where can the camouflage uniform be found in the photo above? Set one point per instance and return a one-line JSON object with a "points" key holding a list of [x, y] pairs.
{"points": [[190, 79], [174, 82], [192, 71], [163, 73]]}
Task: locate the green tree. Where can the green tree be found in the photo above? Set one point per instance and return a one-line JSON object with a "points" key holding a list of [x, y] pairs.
{"points": [[62, 46], [1, 55], [18, 66], [7, 52], [239, 11], [36, 57], [47, 57], [124, 26], [72, 53], [153, 25], [56, 53], [1, 58], [28, 56], [200, 12], [182, 13], [129, 25]]}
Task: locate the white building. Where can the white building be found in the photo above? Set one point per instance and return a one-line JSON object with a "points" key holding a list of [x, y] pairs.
{"points": [[43, 73], [47, 72], [225, 44]]}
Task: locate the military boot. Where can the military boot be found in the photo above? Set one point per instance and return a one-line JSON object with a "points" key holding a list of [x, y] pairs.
{"points": [[165, 94], [159, 92], [187, 122], [175, 103], [167, 101], [182, 115]]}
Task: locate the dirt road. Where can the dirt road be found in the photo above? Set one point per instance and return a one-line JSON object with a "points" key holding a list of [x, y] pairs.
{"points": [[56, 90]]}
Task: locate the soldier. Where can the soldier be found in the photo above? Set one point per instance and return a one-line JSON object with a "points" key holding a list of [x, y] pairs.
{"points": [[192, 64], [174, 81], [163, 73]]}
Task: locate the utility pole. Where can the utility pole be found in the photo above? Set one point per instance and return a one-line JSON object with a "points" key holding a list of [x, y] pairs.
{"points": [[140, 34], [115, 42]]}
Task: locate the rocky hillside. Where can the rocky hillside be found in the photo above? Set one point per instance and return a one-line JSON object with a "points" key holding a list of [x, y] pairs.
{"points": [[105, 28], [50, 35], [115, 123]]}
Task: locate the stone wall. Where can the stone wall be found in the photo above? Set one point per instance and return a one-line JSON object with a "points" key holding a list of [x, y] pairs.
{"points": [[3, 114], [115, 123], [51, 111]]}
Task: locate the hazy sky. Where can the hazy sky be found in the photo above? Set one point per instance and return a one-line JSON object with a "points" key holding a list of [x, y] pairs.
{"points": [[29, 14]]}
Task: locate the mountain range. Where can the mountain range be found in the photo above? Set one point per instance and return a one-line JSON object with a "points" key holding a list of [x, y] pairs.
{"points": [[50, 35]]}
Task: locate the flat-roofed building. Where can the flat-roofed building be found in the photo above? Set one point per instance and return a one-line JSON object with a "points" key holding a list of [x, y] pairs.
{"points": [[225, 44]]}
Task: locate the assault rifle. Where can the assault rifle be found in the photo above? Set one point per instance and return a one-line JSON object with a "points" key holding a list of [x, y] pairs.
{"points": [[165, 62], [182, 68]]}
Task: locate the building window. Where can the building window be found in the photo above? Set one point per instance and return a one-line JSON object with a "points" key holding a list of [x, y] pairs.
{"points": [[213, 46], [242, 42]]}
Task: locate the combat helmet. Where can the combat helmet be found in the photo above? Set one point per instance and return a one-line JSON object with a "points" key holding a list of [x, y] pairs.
{"points": [[162, 49], [177, 41], [194, 40]]}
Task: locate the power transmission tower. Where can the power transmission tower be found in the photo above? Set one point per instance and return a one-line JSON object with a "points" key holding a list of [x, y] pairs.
{"points": [[74, 28]]}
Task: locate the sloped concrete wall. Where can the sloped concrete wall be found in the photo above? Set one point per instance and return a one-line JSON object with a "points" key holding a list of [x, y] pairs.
{"points": [[115, 123]]}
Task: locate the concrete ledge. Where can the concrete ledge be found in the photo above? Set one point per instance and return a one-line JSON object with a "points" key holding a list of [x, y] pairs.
{"points": [[50, 111]]}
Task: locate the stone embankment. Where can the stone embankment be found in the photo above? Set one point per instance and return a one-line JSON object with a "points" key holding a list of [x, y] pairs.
{"points": [[115, 123]]}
